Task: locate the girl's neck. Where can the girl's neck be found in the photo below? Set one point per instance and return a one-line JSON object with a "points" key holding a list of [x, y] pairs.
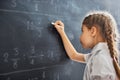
{"points": [[98, 39]]}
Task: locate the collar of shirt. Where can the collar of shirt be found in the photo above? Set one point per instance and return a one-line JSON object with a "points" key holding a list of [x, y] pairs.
{"points": [[99, 46]]}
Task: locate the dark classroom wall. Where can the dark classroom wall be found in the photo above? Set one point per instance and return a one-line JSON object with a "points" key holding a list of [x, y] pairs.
{"points": [[31, 49]]}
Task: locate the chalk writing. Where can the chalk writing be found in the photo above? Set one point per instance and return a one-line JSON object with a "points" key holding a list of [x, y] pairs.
{"points": [[5, 55], [35, 78], [50, 53], [13, 3], [8, 78], [33, 26], [58, 76], [15, 63], [27, 70], [43, 75], [33, 13], [16, 51], [41, 56], [32, 61], [30, 25], [33, 49], [36, 6]]}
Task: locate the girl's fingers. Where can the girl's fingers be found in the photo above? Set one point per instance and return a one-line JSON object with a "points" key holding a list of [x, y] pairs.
{"points": [[59, 23]]}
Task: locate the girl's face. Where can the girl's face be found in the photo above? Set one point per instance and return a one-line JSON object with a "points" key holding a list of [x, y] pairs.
{"points": [[86, 39]]}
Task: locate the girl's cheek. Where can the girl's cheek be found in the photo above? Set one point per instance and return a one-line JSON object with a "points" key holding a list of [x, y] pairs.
{"points": [[81, 40]]}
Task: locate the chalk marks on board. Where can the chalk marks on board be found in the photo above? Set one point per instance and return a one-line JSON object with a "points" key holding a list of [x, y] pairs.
{"points": [[38, 3], [36, 7], [38, 78], [43, 75], [16, 51], [69, 70], [33, 49], [50, 54], [13, 3], [35, 26], [32, 61], [5, 56], [56, 76], [30, 25], [32, 55], [15, 62], [35, 3], [8, 78], [6, 59], [35, 78]]}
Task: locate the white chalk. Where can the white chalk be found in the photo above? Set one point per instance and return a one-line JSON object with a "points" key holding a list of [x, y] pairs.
{"points": [[52, 23]]}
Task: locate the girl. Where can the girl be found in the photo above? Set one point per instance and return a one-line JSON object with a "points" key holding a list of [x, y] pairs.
{"points": [[99, 32]]}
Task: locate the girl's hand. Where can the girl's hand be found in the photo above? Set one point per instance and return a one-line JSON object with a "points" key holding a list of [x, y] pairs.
{"points": [[59, 25]]}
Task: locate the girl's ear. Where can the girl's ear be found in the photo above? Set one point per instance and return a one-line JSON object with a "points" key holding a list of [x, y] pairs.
{"points": [[93, 31]]}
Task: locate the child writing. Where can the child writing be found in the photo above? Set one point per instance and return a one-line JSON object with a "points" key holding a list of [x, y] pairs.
{"points": [[99, 32]]}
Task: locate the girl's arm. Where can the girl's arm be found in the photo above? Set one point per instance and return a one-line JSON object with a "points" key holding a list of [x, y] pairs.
{"points": [[72, 53]]}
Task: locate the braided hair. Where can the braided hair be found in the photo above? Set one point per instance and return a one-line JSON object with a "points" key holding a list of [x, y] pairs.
{"points": [[108, 30]]}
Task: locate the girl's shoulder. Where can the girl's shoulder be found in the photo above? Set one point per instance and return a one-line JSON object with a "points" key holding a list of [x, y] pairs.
{"points": [[102, 65], [100, 54]]}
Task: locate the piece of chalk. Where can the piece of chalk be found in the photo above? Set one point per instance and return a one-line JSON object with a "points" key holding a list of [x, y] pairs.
{"points": [[52, 23]]}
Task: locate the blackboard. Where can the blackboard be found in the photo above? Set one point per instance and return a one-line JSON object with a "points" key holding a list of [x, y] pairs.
{"points": [[30, 47]]}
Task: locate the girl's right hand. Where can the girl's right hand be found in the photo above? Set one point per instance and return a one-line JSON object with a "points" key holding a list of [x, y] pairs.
{"points": [[59, 25]]}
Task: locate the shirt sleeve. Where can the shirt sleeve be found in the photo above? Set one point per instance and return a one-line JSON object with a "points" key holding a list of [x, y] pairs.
{"points": [[86, 57], [101, 68]]}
